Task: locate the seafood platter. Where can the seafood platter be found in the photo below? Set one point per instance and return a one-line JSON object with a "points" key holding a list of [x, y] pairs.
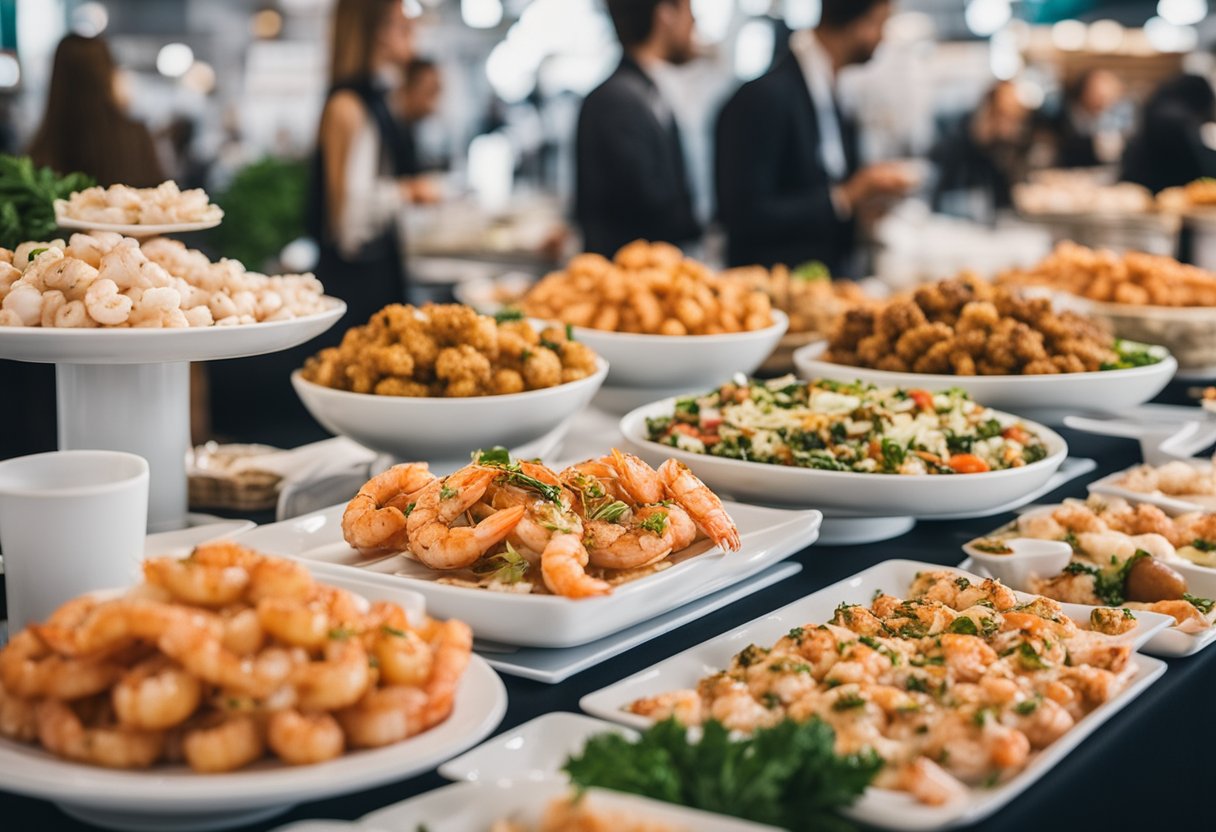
{"points": [[590, 496]]}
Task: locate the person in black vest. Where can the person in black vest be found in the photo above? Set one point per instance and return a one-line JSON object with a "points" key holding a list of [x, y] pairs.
{"points": [[787, 172], [359, 185], [631, 179], [361, 171], [1175, 143]]}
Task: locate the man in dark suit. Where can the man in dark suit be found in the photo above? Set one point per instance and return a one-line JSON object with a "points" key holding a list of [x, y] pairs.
{"points": [[790, 187], [631, 179]]}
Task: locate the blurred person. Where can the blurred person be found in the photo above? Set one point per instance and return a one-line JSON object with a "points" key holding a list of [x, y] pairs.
{"points": [[361, 176], [790, 185], [631, 179], [1175, 142], [86, 126], [985, 154], [418, 100], [1088, 129]]}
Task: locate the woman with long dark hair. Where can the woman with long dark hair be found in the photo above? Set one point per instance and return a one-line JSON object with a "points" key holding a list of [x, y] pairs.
{"points": [[86, 127], [361, 169]]}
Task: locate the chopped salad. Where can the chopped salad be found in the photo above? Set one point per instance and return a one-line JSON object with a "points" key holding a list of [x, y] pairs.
{"points": [[857, 427]]}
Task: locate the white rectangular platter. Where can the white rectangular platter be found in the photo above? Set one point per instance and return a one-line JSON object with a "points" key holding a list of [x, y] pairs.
{"points": [[1109, 486], [769, 536], [552, 666], [878, 807]]}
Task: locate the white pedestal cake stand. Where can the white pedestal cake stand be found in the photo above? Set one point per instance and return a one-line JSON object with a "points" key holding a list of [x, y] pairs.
{"points": [[129, 389]]}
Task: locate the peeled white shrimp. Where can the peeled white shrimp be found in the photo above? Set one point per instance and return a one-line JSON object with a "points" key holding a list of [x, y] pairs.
{"points": [[91, 247], [52, 302], [161, 299], [1040, 525], [21, 255], [199, 316], [9, 318], [72, 277], [222, 306], [74, 315], [24, 301], [246, 303], [9, 274], [105, 305]]}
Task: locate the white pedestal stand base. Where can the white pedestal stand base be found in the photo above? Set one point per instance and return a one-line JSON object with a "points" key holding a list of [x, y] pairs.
{"points": [[143, 409]]}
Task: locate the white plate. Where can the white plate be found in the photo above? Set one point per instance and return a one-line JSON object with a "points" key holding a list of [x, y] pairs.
{"points": [[446, 428], [109, 345], [1170, 505], [137, 230], [535, 750], [1169, 643], [879, 807], [473, 807], [679, 361], [1113, 390], [769, 536], [173, 797], [553, 666], [878, 495]]}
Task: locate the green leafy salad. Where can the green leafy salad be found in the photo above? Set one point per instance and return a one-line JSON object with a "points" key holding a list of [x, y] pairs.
{"points": [[856, 427], [788, 775]]}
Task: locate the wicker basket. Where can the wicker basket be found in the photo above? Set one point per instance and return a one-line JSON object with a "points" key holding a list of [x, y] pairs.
{"points": [[213, 485]]}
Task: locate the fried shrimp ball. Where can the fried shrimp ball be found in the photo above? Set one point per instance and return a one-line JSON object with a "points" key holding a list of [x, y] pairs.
{"points": [[448, 350], [650, 288], [966, 326]]}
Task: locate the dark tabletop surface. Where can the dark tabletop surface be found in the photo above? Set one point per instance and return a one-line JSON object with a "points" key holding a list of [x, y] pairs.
{"points": [[1150, 763]]}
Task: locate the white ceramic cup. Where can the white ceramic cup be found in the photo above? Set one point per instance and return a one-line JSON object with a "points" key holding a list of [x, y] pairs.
{"points": [[70, 522]]}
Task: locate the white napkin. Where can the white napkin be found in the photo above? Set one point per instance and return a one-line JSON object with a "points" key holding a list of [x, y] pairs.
{"points": [[309, 462]]}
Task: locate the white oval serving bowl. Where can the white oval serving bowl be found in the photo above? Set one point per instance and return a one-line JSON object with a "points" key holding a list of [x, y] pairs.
{"points": [[874, 495], [1109, 390], [446, 428], [668, 362]]}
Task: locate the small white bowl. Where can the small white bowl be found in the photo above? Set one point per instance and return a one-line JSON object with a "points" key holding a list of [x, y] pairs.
{"points": [[667, 363], [441, 430], [1029, 558]]}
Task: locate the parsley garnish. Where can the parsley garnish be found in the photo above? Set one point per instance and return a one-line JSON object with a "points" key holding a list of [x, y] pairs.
{"points": [[1026, 706], [508, 313], [446, 493], [392, 631], [610, 512], [34, 253], [788, 776], [500, 457], [963, 626]]}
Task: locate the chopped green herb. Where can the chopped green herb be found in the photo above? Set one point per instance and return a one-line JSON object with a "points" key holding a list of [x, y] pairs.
{"points": [[341, 633], [34, 254], [915, 683], [1029, 658], [1204, 605], [962, 583], [848, 702], [963, 626], [656, 523], [508, 567], [392, 631], [609, 512], [1204, 545], [410, 509], [446, 493], [1026, 706], [508, 313]]}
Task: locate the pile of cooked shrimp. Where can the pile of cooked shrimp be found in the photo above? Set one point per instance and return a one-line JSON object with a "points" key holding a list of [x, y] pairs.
{"points": [[511, 519], [956, 685], [220, 657], [103, 279], [123, 205]]}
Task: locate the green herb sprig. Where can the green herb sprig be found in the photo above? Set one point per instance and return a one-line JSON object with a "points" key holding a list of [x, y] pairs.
{"points": [[788, 776]]}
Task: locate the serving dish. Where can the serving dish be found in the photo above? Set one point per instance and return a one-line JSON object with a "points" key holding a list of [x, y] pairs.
{"points": [[877, 495], [671, 362], [102, 345], [1022, 536], [174, 797], [136, 230], [768, 536], [1110, 486], [1188, 332], [877, 807], [473, 807], [1105, 391], [445, 428]]}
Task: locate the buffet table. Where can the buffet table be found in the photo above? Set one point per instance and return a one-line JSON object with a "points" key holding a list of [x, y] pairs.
{"points": [[1145, 764]]}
